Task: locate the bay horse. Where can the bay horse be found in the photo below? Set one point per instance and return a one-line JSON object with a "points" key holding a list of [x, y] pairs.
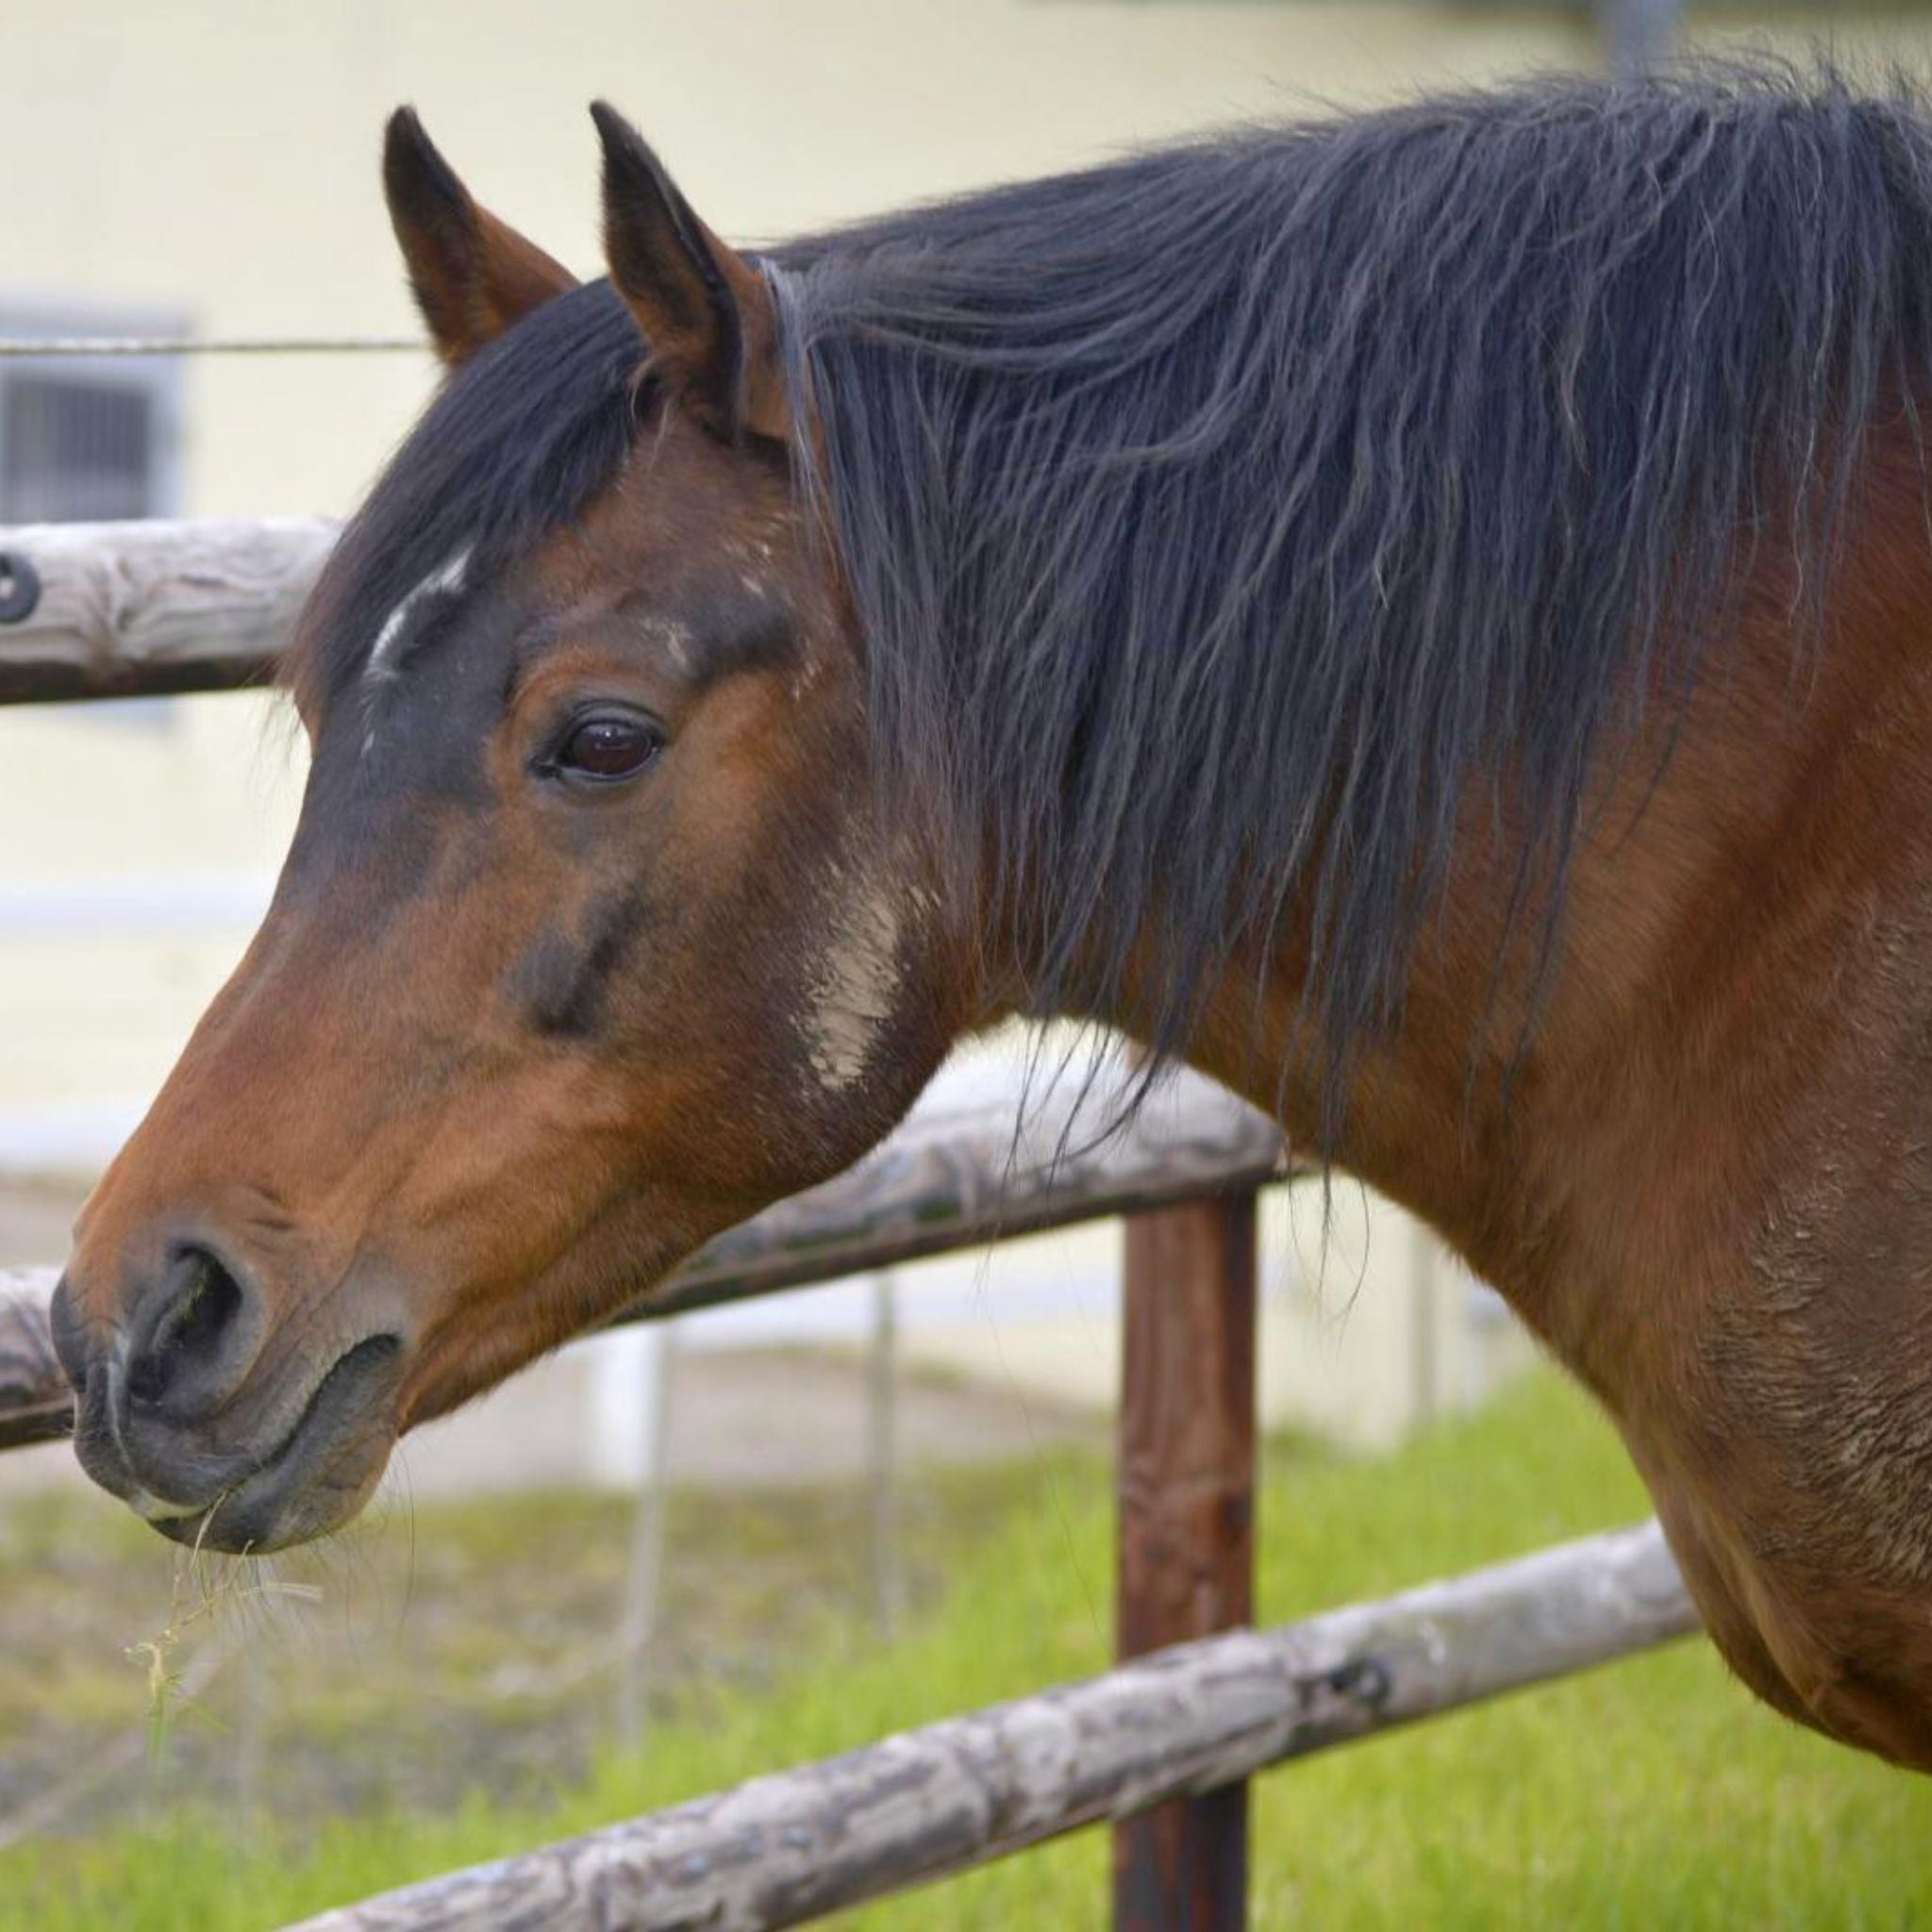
{"points": [[1427, 616]]}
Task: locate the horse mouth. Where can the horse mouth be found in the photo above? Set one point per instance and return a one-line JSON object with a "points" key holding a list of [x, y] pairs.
{"points": [[315, 1479]]}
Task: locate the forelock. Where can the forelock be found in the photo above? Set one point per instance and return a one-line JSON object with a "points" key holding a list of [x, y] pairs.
{"points": [[517, 443]]}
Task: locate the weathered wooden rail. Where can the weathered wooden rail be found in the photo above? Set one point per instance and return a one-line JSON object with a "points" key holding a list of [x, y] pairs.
{"points": [[94, 610], [1164, 1744], [1197, 1718], [35, 1403]]}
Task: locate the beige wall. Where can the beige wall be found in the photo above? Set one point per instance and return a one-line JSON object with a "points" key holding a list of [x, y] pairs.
{"points": [[222, 156]]}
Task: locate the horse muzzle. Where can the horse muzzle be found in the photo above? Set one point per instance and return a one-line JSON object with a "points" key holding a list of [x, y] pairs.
{"points": [[205, 1432]]}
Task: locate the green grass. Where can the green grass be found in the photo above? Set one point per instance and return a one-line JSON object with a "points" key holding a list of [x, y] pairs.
{"points": [[1654, 1793]]}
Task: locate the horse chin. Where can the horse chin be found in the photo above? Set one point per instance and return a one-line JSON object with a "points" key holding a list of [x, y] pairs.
{"points": [[313, 1484], [270, 1512]]}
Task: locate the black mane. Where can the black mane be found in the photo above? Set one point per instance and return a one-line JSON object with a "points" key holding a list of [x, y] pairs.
{"points": [[1219, 517]]}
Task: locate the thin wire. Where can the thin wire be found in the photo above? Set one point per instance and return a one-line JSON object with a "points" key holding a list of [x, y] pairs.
{"points": [[182, 346]]}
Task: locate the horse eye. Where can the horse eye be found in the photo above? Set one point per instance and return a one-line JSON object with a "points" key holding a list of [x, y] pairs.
{"points": [[609, 747]]}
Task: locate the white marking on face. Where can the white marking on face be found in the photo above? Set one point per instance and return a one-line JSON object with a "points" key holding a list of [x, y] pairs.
{"points": [[857, 977], [676, 642], [385, 655]]}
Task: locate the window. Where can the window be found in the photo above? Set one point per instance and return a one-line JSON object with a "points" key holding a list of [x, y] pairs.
{"points": [[89, 439], [73, 450]]}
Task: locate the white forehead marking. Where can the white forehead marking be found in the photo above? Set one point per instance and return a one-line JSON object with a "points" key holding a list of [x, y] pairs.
{"points": [[676, 641], [386, 653], [857, 975]]}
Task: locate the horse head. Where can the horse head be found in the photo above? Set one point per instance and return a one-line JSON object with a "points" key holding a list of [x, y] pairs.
{"points": [[590, 941]]}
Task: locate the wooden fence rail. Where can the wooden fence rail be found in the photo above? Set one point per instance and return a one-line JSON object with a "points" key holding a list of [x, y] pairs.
{"points": [[35, 1402], [1192, 1719], [143, 609]]}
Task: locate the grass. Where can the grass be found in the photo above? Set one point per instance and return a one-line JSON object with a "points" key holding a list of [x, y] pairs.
{"points": [[1651, 1793]]}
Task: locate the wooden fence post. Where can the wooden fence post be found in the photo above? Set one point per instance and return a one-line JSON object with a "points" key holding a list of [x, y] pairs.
{"points": [[1185, 1475]]}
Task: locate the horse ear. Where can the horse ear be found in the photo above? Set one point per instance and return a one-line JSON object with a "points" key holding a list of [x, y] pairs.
{"points": [[472, 275], [705, 312]]}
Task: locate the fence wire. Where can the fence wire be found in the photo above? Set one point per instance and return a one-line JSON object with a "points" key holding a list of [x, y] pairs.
{"points": [[30, 346]]}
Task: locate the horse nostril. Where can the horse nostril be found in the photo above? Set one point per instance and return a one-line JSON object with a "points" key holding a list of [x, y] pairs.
{"points": [[194, 1331]]}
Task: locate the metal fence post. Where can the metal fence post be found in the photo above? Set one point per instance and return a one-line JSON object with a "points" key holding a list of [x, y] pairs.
{"points": [[1185, 1475]]}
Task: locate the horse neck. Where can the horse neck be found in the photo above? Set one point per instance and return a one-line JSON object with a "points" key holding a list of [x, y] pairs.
{"points": [[1734, 931]]}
